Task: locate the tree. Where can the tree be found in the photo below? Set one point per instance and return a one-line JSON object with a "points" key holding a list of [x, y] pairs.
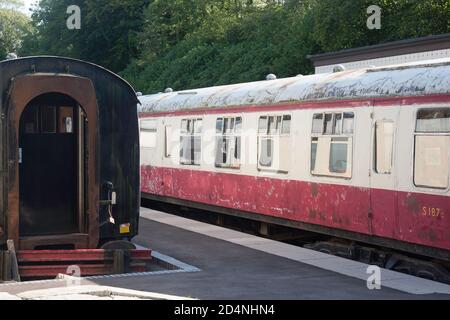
{"points": [[51, 35], [342, 24], [107, 35], [195, 43], [11, 4], [13, 26], [230, 41]]}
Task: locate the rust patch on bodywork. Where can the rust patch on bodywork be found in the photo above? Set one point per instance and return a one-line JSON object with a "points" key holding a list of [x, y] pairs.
{"points": [[322, 216], [413, 204], [314, 190], [347, 221], [336, 218], [312, 214], [428, 234]]}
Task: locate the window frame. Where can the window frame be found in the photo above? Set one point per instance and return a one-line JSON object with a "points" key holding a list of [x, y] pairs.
{"points": [[193, 134], [268, 135], [54, 116], [375, 147], [155, 131], [225, 133], [414, 144], [348, 175]]}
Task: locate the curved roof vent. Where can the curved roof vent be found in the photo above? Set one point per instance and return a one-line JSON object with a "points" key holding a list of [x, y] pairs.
{"points": [[139, 94], [338, 68], [168, 90], [271, 76], [299, 75], [11, 56]]}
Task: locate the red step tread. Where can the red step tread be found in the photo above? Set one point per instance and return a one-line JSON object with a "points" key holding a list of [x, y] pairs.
{"points": [[76, 255], [50, 263], [86, 270]]}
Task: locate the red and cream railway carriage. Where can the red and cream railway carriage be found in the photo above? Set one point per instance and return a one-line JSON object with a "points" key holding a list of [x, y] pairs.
{"points": [[361, 154]]}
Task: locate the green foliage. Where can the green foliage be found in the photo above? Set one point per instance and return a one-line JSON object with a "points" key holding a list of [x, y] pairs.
{"points": [[342, 24], [233, 41], [195, 43], [108, 34], [267, 37], [13, 26], [51, 36]]}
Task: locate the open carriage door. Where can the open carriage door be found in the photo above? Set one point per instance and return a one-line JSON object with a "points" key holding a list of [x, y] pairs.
{"points": [[53, 187]]}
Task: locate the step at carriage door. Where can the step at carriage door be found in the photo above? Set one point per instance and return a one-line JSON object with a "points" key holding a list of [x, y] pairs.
{"points": [[383, 213]]}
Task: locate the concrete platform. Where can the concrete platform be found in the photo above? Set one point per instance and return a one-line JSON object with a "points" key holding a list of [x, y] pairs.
{"points": [[233, 265], [354, 269]]}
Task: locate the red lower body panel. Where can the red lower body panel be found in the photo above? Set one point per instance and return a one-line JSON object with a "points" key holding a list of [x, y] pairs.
{"points": [[415, 218]]}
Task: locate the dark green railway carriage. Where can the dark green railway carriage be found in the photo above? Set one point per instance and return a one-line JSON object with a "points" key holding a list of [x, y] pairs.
{"points": [[69, 155]]}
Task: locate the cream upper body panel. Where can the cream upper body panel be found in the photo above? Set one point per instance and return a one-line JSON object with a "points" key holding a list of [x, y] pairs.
{"points": [[295, 151]]}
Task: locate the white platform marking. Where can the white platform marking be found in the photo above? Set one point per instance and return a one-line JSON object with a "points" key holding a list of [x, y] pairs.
{"points": [[94, 293]]}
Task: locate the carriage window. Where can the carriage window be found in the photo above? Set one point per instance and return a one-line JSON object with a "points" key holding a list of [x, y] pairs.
{"points": [[228, 142], [337, 124], [148, 133], [262, 128], [328, 129], [48, 119], [190, 141], [331, 144], [317, 124], [286, 125], [273, 141], [384, 146], [31, 120], [433, 121], [338, 155], [432, 148], [348, 124]]}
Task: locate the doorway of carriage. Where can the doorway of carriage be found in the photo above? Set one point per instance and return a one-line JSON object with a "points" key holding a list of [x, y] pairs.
{"points": [[52, 171], [53, 162]]}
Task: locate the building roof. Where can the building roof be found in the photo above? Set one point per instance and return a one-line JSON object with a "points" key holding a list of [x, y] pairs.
{"points": [[389, 49]]}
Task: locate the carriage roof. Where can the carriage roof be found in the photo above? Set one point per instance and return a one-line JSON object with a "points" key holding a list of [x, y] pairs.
{"points": [[413, 79]]}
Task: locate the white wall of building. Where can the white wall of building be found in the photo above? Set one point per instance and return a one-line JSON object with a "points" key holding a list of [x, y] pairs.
{"points": [[381, 62]]}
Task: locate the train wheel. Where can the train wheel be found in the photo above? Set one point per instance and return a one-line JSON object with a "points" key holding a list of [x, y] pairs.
{"points": [[118, 245], [424, 269]]}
